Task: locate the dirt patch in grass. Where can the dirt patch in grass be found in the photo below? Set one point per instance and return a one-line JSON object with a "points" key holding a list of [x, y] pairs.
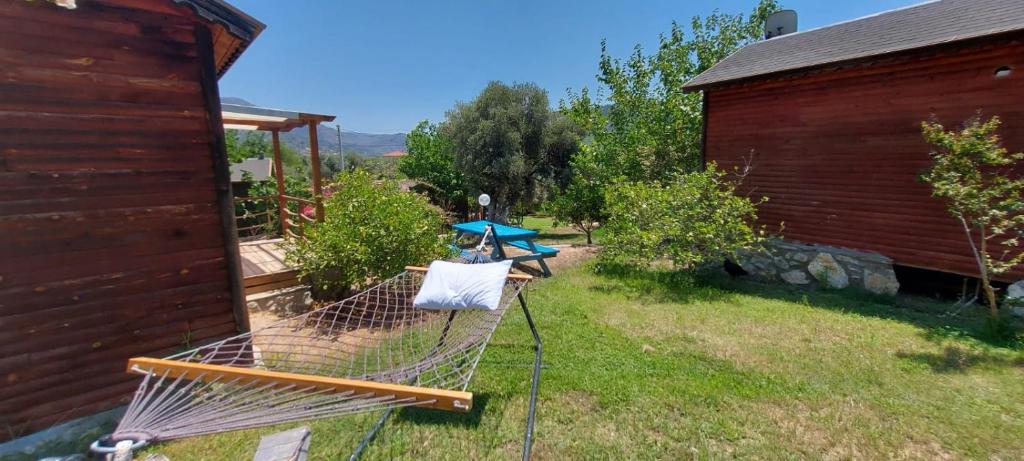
{"points": [[839, 429], [568, 256], [298, 345]]}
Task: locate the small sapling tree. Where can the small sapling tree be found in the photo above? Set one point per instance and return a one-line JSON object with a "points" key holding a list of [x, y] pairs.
{"points": [[982, 189], [581, 205]]}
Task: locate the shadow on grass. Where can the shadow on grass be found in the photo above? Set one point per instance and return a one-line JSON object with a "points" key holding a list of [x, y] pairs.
{"points": [[955, 359], [447, 418], [656, 285], [713, 284], [933, 317]]}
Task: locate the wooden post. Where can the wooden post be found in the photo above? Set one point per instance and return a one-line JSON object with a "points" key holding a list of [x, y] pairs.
{"points": [[282, 204], [221, 173], [314, 158]]}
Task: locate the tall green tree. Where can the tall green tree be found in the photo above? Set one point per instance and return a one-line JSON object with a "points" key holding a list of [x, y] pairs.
{"points": [[504, 143], [248, 145], [983, 189], [233, 146], [640, 124], [563, 141], [256, 145], [431, 160]]}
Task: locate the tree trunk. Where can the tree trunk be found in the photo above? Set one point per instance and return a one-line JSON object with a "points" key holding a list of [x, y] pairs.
{"points": [[588, 232], [980, 258], [990, 295], [498, 213]]}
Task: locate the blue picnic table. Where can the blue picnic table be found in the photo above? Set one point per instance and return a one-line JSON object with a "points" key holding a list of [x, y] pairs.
{"points": [[512, 236]]}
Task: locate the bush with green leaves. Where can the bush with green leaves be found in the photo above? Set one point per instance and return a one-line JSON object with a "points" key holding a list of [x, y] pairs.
{"points": [[580, 205], [264, 198], [696, 218], [371, 231]]}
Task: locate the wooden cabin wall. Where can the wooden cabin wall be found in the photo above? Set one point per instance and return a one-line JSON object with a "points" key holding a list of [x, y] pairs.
{"points": [[111, 236], [839, 153]]}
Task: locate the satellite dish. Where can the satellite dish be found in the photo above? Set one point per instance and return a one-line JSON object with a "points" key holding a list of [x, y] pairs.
{"points": [[484, 200], [780, 23]]}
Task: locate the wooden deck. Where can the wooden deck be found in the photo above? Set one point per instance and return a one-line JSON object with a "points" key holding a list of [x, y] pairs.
{"points": [[264, 268]]}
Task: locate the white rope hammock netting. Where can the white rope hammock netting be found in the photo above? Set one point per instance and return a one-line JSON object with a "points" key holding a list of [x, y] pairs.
{"points": [[368, 352]]}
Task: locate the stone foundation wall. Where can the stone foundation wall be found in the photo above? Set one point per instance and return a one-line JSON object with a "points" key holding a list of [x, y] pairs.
{"points": [[805, 264]]}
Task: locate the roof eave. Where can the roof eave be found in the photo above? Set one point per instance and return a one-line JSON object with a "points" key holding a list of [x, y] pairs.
{"points": [[691, 87], [235, 21]]}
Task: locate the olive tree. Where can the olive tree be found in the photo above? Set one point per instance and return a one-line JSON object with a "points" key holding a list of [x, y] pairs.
{"points": [[508, 143]]}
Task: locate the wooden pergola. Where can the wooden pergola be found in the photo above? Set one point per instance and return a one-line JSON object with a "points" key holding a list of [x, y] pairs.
{"points": [[276, 121]]}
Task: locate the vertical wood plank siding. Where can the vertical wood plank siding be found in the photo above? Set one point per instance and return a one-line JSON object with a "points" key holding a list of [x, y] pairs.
{"points": [[111, 239], [838, 153]]}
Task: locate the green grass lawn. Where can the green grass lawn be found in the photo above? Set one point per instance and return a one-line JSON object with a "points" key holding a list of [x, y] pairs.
{"points": [[551, 234], [659, 366]]}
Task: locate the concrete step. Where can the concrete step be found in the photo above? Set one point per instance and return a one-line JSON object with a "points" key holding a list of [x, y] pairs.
{"points": [[284, 302]]}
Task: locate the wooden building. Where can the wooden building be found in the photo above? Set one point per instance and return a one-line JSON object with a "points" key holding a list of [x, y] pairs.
{"points": [[117, 234], [831, 120]]}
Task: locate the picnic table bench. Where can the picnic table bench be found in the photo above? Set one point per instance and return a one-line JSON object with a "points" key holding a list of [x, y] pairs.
{"points": [[512, 236]]}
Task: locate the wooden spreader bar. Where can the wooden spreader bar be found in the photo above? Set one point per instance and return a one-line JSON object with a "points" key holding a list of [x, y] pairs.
{"points": [[442, 399], [510, 276]]}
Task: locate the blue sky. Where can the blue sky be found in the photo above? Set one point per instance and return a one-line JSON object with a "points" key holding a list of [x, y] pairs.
{"points": [[382, 66]]}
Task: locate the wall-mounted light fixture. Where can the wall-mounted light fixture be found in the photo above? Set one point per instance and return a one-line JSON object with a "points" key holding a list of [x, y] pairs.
{"points": [[1003, 71]]}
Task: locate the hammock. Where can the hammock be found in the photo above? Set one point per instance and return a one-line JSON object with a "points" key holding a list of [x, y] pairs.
{"points": [[369, 352]]}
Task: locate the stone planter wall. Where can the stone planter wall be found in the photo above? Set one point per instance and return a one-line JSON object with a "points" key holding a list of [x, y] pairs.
{"points": [[805, 264]]}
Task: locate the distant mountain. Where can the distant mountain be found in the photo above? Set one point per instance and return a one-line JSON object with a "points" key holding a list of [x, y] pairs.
{"points": [[366, 144], [237, 101]]}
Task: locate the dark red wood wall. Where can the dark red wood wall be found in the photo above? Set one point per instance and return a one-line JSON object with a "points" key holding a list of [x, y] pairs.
{"points": [[111, 238], [839, 152]]}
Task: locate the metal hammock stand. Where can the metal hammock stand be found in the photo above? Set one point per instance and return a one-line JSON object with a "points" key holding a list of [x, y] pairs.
{"points": [[372, 351]]}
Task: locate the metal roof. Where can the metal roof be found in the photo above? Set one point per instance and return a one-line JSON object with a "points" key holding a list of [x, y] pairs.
{"points": [[259, 168], [926, 24], [239, 117]]}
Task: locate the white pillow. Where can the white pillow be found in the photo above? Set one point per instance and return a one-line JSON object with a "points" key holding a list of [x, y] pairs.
{"points": [[462, 286]]}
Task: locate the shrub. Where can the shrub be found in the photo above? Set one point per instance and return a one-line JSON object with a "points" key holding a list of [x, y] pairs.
{"points": [[371, 230], [581, 205], [695, 219]]}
